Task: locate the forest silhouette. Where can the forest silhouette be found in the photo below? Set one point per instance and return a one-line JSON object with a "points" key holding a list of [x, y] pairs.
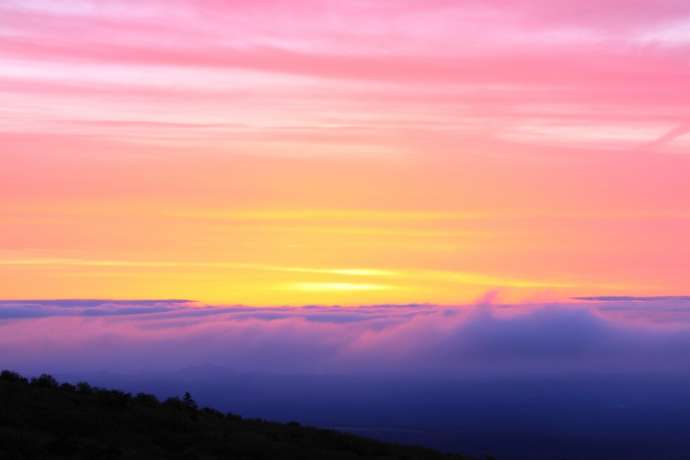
{"points": [[41, 418]]}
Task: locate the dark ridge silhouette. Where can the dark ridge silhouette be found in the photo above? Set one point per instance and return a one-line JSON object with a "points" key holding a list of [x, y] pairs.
{"points": [[43, 419]]}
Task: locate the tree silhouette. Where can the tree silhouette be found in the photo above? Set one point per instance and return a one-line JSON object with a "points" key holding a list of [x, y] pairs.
{"points": [[41, 419], [188, 401], [44, 381]]}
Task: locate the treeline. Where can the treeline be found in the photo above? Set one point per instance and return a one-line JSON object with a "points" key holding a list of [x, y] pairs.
{"points": [[41, 418], [111, 398]]}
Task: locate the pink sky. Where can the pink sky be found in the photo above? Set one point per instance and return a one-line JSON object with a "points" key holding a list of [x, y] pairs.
{"points": [[265, 152]]}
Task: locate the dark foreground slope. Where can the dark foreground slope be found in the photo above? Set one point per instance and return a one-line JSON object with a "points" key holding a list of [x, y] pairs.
{"points": [[40, 419]]}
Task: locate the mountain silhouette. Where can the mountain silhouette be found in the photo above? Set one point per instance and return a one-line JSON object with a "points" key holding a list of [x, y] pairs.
{"points": [[43, 419]]}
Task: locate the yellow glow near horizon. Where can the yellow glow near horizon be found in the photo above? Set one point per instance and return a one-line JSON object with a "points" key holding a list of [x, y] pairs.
{"points": [[326, 287], [223, 281]]}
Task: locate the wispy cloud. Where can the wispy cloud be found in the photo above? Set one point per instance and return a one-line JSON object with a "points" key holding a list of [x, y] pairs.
{"points": [[543, 61]]}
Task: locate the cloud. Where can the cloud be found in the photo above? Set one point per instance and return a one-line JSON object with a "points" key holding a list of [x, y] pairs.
{"points": [[596, 336], [503, 64], [15, 309], [628, 298]]}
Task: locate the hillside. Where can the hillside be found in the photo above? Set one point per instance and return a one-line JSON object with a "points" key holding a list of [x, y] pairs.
{"points": [[42, 419]]}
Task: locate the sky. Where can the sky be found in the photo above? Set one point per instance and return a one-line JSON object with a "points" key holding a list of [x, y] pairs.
{"points": [[274, 153]]}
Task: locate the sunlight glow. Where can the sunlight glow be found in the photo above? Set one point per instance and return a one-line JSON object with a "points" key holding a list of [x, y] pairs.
{"points": [[326, 287]]}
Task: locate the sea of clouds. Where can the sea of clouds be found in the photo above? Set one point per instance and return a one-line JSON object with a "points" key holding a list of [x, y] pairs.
{"points": [[586, 335]]}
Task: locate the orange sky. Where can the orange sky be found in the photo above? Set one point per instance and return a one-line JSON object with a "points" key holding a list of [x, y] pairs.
{"points": [[340, 161]]}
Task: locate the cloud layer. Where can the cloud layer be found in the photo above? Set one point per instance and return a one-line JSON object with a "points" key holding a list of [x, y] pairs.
{"points": [[594, 337], [542, 68]]}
